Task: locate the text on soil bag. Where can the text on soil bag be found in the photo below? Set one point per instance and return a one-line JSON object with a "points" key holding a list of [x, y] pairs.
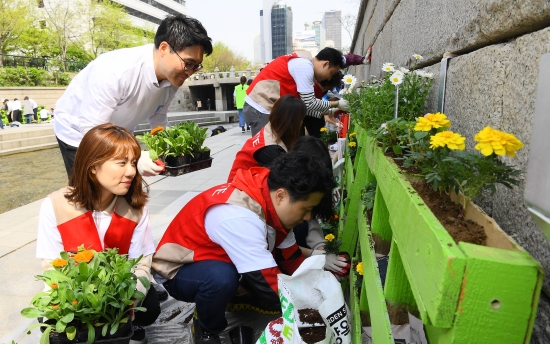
{"points": [[339, 323]]}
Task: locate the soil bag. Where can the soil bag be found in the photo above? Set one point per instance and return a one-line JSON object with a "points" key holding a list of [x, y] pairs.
{"points": [[310, 287]]}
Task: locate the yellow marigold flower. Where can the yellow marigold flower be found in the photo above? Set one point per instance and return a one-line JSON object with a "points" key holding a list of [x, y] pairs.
{"points": [[359, 268], [55, 306], [432, 121], [498, 142], [83, 256], [353, 144], [324, 130], [352, 135], [156, 130], [448, 138], [74, 303], [59, 262], [54, 286], [329, 237]]}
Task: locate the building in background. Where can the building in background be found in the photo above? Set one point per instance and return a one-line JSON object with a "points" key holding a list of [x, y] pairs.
{"points": [[305, 41], [257, 49], [281, 29], [332, 23], [265, 30], [149, 13], [320, 34]]}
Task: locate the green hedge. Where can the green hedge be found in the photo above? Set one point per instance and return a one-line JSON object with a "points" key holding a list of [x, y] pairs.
{"points": [[20, 76]]}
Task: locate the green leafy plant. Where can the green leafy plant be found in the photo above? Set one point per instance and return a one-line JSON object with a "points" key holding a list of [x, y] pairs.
{"points": [[328, 136], [155, 142], [367, 195], [352, 144], [95, 289]]}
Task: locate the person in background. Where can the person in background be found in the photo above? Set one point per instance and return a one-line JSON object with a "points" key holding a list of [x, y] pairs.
{"points": [[199, 105], [238, 98], [131, 86], [239, 236], [44, 114], [16, 110], [105, 204], [293, 74], [8, 109], [34, 106], [208, 104], [29, 112], [275, 138]]}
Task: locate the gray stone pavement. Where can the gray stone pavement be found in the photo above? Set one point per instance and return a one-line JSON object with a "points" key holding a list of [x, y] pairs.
{"points": [[167, 196]]}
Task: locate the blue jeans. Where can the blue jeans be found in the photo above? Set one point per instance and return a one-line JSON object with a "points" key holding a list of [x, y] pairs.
{"points": [[210, 284], [241, 118]]}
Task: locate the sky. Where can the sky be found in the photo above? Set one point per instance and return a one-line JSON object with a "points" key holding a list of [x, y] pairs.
{"points": [[235, 22]]}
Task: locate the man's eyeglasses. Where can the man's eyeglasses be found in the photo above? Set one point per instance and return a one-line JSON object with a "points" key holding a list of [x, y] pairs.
{"points": [[186, 65]]}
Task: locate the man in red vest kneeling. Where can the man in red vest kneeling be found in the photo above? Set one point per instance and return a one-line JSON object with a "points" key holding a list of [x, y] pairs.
{"points": [[239, 233]]}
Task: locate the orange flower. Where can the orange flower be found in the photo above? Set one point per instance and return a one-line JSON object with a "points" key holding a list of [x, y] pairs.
{"points": [[156, 130], [54, 285], [58, 262], [75, 302], [55, 306], [83, 256], [335, 217]]}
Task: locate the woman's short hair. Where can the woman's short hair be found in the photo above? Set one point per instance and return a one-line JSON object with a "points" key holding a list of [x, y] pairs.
{"points": [[101, 143], [286, 119]]}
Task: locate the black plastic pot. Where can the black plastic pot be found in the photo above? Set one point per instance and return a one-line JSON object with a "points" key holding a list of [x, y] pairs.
{"points": [[197, 156], [176, 161], [121, 336], [206, 155]]}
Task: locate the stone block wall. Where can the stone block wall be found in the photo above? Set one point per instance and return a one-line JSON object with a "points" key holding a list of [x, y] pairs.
{"points": [[46, 96], [492, 82]]}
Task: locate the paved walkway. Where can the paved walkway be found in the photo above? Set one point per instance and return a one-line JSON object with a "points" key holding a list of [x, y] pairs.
{"points": [[167, 196]]}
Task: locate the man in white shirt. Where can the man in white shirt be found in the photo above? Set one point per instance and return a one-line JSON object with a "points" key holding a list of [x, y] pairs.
{"points": [[44, 114], [16, 110], [128, 86]]}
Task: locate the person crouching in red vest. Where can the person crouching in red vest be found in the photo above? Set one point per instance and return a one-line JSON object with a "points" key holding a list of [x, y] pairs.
{"points": [[103, 207], [277, 137], [239, 234]]}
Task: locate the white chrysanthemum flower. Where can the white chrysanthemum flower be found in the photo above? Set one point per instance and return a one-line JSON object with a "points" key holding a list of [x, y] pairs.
{"points": [[418, 57], [396, 78], [341, 92], [400, 73], [404, 70], [420, 72], [349, 79], [388, 67], [429, 75]]}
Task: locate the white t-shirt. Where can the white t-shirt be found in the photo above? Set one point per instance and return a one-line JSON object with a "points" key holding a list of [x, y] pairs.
{"points": [[44, 113], [119, 87], [49, 243], [242, 234]]}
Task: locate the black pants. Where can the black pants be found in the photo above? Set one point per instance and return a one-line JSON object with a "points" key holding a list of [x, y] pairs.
{"points": [[151, 302], [35, 110], [10, 119], [17, 116], [68, 153]]}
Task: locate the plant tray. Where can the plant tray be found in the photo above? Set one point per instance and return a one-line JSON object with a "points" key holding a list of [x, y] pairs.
{"points": [[188, 168]]}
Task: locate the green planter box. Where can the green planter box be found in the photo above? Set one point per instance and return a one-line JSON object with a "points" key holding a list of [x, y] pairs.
{"points": [[464, 293]]}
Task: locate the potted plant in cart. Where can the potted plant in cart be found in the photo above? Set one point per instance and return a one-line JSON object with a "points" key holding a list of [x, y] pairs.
{"points": [[90, 297]]}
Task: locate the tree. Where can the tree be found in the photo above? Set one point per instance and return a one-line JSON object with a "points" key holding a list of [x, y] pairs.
{"points": [[13, 21], [110, 28], [224, 58], [36, 42], [348, 23], [64, 20]]}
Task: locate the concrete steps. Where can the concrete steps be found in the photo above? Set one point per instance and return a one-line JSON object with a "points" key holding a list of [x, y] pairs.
{"points": [[27, 138]]}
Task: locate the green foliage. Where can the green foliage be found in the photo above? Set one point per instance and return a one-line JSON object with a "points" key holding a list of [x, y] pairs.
{"points": [[224, 58], [21, 76], [96, 290], [374, 104], [367, 195], [179, 140], [14, 19], [328, 136]]}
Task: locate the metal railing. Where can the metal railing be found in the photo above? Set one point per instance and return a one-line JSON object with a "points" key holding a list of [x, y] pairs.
{"points": [[41, 63]]}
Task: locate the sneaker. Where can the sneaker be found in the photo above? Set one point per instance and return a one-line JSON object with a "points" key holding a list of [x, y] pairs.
{"points": [[243, 130], [202, 336], [139, 336], [247, 128], [161, 292]]}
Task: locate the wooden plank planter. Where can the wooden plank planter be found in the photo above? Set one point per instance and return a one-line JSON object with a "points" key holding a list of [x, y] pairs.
{"points": [[464, 293]]}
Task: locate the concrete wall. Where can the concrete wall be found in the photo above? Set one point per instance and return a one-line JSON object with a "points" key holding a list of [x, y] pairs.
{"points": [[493, 82], [46, 96]]}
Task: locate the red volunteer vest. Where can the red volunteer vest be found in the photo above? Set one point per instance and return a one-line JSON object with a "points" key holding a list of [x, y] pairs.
{"points": [[245, 157], [187, 230]]}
